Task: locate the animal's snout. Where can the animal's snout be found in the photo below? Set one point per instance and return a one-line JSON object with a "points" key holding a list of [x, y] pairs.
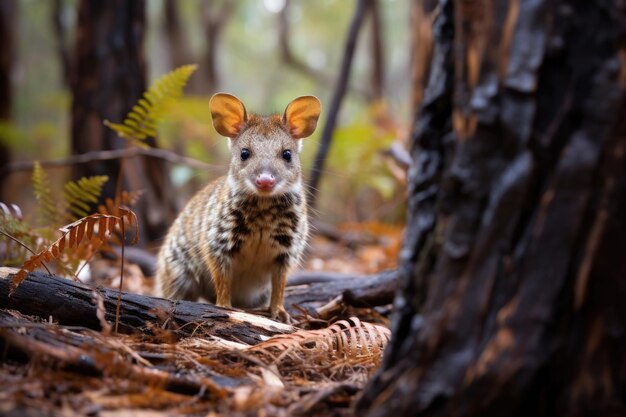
{"points": [[265, 181]]}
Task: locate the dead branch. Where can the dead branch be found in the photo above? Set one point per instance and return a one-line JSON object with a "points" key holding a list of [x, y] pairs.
{"points": [[347, 238], [92, 156]]}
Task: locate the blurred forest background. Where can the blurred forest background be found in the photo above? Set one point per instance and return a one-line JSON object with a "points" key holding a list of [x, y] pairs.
{"points": [[265, 52], [510, 275]]}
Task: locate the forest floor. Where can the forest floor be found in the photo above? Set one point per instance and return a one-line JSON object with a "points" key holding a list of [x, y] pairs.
{"points": [[316, 368]]}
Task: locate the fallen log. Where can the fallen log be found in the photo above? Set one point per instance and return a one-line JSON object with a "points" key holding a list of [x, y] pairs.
{"points": [[313, 289], [74, 304]]}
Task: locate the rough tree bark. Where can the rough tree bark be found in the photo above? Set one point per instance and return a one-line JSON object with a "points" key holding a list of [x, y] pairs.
{"points": [[513, 275], [109, 79], [7, 19]]}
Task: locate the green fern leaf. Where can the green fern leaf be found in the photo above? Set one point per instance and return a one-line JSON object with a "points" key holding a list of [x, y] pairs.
{"points": [[49, 212], [141, 121], [82, 194]]}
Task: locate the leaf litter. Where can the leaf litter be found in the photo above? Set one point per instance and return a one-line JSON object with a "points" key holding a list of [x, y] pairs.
{"points": [[65, 370]]}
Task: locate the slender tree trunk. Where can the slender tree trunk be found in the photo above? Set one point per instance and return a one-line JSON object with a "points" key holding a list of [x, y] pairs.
{"points": [[290, 58], [7, 29], [110, 78], [513, 274], [378, 56], [338, 95]]}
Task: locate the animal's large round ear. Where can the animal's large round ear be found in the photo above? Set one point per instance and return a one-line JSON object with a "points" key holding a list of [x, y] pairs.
{"points": [[228, 113], [301, 116]]}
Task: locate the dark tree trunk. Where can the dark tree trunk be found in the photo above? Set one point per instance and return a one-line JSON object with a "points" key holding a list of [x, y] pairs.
{"points": [[378, 58], [110, 77], [7, 29], [513, 275]]}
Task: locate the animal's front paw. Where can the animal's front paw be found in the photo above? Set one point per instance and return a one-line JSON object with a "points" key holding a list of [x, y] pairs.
{"points": [[224, 304], [281, 314]]}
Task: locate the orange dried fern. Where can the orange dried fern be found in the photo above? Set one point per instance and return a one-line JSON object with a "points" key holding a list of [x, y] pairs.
{"points": [[350, 339], [90, 231]]}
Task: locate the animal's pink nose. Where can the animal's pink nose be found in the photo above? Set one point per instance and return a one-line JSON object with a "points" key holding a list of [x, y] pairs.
{"points": [[265, 181]]}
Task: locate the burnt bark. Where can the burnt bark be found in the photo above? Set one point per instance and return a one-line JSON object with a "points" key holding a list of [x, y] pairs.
{"points": [[512, 278], [109, 79], [7, 29]]}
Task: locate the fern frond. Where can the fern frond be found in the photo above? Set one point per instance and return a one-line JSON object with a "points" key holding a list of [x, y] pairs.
{"points": [[141, 121], [347, 339], [112, 206], [79, 195], [91, 230], [49, 212]]}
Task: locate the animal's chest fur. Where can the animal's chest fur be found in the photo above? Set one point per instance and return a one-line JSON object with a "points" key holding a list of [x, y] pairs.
{"points": [[262, 233], [252, 267]]}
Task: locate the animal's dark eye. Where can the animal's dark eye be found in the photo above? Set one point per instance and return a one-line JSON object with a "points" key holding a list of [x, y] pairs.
{"points": [[287, 155], [245, 154]]}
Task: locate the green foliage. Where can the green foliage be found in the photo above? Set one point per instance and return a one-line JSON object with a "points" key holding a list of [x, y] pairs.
{"points": [[80, 194], [78, 197], [22, 245], [141, 121], [12, 136], [356, 155], [49, 211], [189, 131]]}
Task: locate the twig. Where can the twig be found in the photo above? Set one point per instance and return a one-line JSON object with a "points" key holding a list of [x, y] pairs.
{"points": [[88, 157], [25, 247], [119, 293]]}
